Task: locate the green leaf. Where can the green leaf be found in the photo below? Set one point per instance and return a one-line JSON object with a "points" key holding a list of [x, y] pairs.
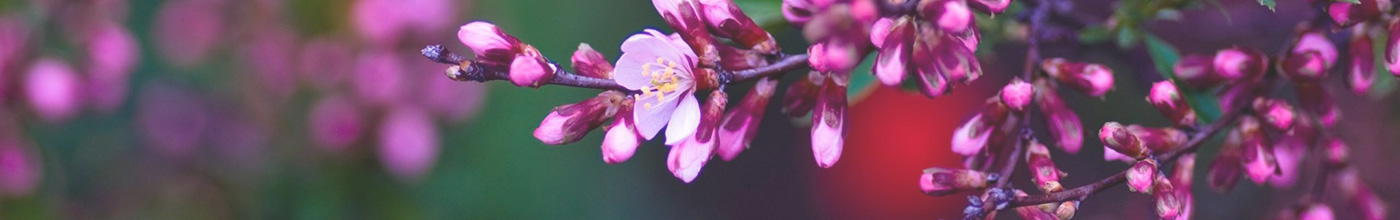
{"points": [[1164, 56], [1127, 37], [767, 13], [1094, 34], [862, 81], [1270, 4]]}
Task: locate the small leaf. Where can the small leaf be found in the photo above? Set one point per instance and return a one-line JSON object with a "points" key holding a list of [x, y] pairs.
{"points": [[862, 81], [1093, 34], [767, 13], [1268, 3]]}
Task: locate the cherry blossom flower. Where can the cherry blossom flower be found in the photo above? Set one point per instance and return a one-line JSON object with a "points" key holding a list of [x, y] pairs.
{"points": [[661, 68]]}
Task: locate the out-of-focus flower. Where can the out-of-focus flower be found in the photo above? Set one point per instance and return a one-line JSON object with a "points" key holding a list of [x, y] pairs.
{"points": [[1277, 114], [1360, 196], [940, 181], [990, 6], [451, 100], [378, 77], [829, 124], [1392, 49], [1017, 94], [335, 123], [1318, 101], [1093, 80], [14, 37], [1197, 71], [326, 63], [384, 22], [662, 69], [569, 123], [112, 53], [1225, 169], [1347, 14], [1060, 120], [1289, 151], [269, 56], [622, 139], [688, 157], [952, 16], [188, 30], [727, 20], [740, 125], [53, 90], [1237, 63], [172, 120], [1168, 100], [1337, 153], [1316, 212], [1361, 71], [1311, 57], [20, 169], [1256, 152], [801, 96], [839, 42], [408, 143]]}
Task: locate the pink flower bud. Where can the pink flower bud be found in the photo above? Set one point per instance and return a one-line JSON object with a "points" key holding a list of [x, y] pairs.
{"points": [[740, 126], [727, 20], [943, 60], [829, 124], [491, 45], [1168, 100], [1237, 63], [690, 155], [1062, 122], [832, 57], [1043, 170], [938, 181], [1289, 151], [1359, 195], [1258, 159], [1318, 42], [1361, 71], [684, 17], [952, 16], [1093, 80], [801, 96], [1197, 71], [1337, 153], [1225, 169], [881, 29], [408, 143], [971, 137], [1347, 14], [990, 6], [1184, 172], [1117, 137], [335, 123], [1165, 199], [1142, 175], [1317, 212], [590, 63], [20, 169], [892, 63], [1318, 101], [1308, 66], [1277, 114], [529, 69], [569, 123], [622, 138], [1163, 139], [53, 90], [1017, 94]]}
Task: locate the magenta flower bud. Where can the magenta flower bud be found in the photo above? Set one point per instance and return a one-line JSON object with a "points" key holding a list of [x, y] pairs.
{"points": [[408, 143], [690, 155], [801, 96], [189, 30], [335, 123], [684, 17], [727, 20], [1117, 137], [1317, 212], [1017, 94], [20, 169], [622, 138], [1161, 139], [1337, 153], [1360, 195], [740, 126], [491, 45], [1197, 71], [1289, 152], [1184, 172], [1277, 114], [970, 138], [1062, 122], [1347, 14], [1225, 169], [939, 181], [591, 63], [1093, 80], [1043, 170], [1392, 50], [1308, 66], [952, 16], [53, 90], [1318, 101], [943, 60], [881, 29], [831, 57], [1165, 199], [1318, 42], [529, 69], [1237, 63], [1238, 94], [1168, 100], [569, 123], [1142, 175], [990, 6], [1258, 159], [829, 124], [1361, 71], [892, 63]]}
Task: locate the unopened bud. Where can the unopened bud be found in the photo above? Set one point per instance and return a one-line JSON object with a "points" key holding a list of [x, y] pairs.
{"points": [[1361, 71], [569, 123], [530, 69], [1197, 71], [1117, 137], [1142, 175], [829, 124], [491, 45], [1225, 168], [1062, 122], [740, 125], [1165, 199], [1277, 114], [590, 63], [892, 63], [939, 181], [1171, 103], [1236, 63], [1043, 170], [622, 138], [1318, 101], [1017, 94], [1310, 59], [952, 16], [801, 96], [1093, 80]]}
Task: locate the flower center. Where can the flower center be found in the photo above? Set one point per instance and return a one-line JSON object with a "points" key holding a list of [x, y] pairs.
{"points": [[663, 81]]}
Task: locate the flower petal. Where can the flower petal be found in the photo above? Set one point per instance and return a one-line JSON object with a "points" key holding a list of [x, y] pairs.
{"points": [[651, 116], [684, 120]]}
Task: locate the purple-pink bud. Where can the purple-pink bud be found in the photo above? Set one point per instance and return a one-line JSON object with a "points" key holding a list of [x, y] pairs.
{"points": [[569, 123], [990, 6], [1359, 195], [1165, 199], [591, 63], [622, 138], [1236, 63], [1117, 137], [952, 16], [1168, 100], [740, 126], [1156, 139], [798, 12], [689, 156], [726, 20], [892, 63], [1091, 79], [1279, 115], [684, 17], [1062, 122], [1318, 42], [939, 181], [1317, 212], [1017, 94], [1337, 153], [53, 90], [1258, 159], [829, 124], [1318, 101], [491, 45], [1361, 71], [1347, 14], [529, 69], [801, 96], [1043, 170], [943, 60], [1197, 71], [1392, 49], [1225, 168], [1142, 175]]}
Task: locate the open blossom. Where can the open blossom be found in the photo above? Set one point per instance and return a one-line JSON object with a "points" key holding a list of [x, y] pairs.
{"points": [[829, 124], [661, 68]]}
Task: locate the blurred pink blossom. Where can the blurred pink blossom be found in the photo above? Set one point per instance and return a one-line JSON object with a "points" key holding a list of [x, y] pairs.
{"points": [[172, 120], [20, 169], [52, 90], [113, 53], [188, 30], [378, 77], [269, 57], [335, 123], [408, 143]]}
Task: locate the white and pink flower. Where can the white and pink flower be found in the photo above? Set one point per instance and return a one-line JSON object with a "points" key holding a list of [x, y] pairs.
{"points": [[661, 68]]}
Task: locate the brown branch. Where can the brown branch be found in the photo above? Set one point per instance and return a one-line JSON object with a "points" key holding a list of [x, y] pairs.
{"points": [[1085, 191], [473, 71]]}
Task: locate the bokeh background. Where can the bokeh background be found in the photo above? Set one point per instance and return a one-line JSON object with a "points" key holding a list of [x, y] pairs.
{"points": [[323, 109]]}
